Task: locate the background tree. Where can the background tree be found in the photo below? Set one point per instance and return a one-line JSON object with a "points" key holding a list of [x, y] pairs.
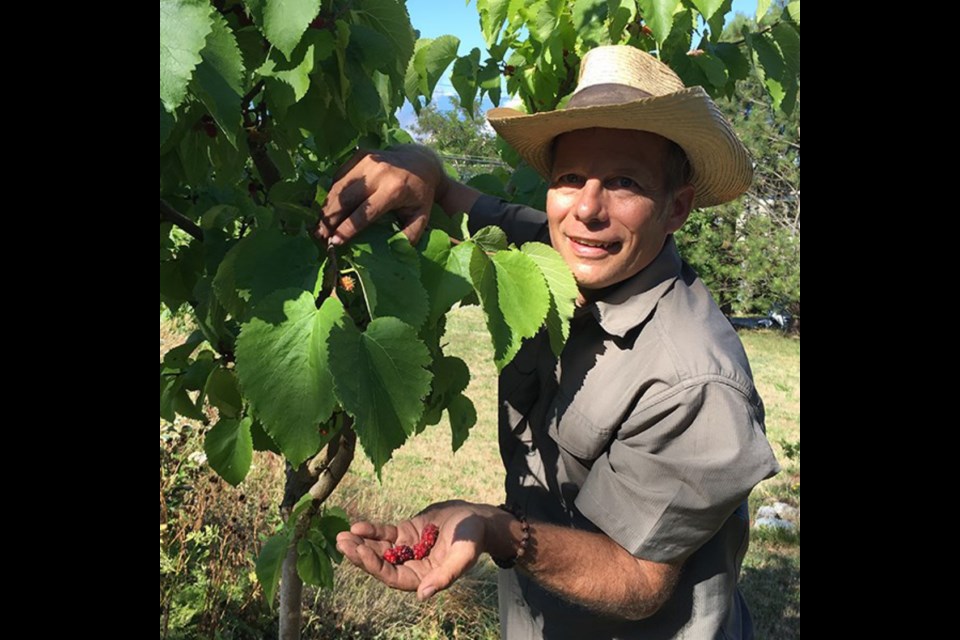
{"points": [[461, 136]]}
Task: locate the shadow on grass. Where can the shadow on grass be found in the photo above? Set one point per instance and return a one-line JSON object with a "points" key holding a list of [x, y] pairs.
{"points": [[772, 591]]}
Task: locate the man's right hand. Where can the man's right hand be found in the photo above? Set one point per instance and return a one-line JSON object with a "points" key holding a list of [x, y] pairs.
{"points": [[406, 180]]}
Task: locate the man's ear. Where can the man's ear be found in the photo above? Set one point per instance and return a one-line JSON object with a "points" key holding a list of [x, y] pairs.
{"points": [[680, 207]]}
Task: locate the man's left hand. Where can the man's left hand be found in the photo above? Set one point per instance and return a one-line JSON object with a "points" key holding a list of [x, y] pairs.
{"points": [[459, 545]]}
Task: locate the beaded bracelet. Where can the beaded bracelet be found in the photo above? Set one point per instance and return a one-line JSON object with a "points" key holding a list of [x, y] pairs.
{"points": [[515, 511]]}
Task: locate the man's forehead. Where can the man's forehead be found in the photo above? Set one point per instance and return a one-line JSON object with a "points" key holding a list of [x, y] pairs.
{"points": [[610, 146]]}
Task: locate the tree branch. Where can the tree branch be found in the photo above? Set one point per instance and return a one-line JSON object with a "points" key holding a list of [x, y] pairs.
{"points": [[169, 214], [248, 97]]}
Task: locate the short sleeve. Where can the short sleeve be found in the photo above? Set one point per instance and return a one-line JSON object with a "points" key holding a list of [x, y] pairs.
{"points": [[677, 469], [520, 223]]}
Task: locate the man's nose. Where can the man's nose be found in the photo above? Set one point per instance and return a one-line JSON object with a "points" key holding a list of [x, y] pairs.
{"points": [[589, 205]]}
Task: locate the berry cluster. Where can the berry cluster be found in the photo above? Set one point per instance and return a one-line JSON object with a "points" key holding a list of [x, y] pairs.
{"points": [[402, 553]]}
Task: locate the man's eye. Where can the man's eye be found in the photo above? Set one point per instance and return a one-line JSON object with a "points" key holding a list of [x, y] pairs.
{"points": [[569, 178], [624, 183]]}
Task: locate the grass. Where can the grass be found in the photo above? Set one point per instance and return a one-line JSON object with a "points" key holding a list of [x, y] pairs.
{"points": [[425, 471]]}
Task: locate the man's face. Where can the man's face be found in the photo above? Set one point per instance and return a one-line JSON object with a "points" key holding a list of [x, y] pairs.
{"points": [[607, 208]]}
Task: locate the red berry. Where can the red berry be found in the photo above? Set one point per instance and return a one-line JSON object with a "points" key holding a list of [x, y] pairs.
{"points": [[391, 556], [429, 535], [420, 551], [645, 30], [404, 553]]}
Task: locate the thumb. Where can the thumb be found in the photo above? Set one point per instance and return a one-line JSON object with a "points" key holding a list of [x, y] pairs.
{"points": [[462, 555]]}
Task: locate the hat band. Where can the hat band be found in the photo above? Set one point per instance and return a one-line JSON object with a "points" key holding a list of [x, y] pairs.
{"points": [[606, 93]]}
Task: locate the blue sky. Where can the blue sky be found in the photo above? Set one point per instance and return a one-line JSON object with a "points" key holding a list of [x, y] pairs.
{"points": [[440, 17]]}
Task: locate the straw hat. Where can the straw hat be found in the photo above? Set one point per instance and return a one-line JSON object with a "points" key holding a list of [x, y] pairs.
{"points": [[621, 87]]}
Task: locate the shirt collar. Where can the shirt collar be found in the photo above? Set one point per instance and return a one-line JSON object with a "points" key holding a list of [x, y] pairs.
{"points": [[630, 304]]}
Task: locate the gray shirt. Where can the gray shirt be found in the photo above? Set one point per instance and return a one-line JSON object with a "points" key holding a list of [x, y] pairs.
{"points": [[648, 428]]}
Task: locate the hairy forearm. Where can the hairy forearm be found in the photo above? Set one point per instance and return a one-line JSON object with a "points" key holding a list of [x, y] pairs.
{"points": [[587, 568]]}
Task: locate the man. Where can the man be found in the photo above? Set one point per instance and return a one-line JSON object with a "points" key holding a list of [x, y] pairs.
{"points": [[629, 458]]}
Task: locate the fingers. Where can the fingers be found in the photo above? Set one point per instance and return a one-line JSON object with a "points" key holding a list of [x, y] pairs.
{"points": [[416, 225], [461, 555], [384, 532]]}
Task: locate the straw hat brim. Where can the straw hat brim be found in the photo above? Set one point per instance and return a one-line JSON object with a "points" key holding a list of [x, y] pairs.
{"points": [[721, 166]]}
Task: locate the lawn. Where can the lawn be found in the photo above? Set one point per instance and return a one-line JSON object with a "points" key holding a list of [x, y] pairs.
{"points": [[425, 471]]}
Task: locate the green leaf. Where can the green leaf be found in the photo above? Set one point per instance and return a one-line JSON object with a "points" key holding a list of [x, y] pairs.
{"points": [[713, 68], [463, 78], [380, 378], [514, 297], [707, 7], [589, 20], [295, 73], [493, 13], [489, 78], [389, 270], [229, 449], [463, 416], [658, 14], [184, 26], [167, 122], [262, 441], [218, 78], [390, 18], [270, 563], [445, 287], [431, 58], [366, 106], [333, 521], [763, 6], [373, 50], [794, 10], [545, 20], [284, 21], [179, 357], [738, 67], [305, 501], [282, 363], [622, 12], [313, 565], [490, 238], [563, 291], [223, 392], [263, 262], [789, 40], [771, 64]]}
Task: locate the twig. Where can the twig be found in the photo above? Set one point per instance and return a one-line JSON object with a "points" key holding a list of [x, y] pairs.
{"points": [[170, 214]]}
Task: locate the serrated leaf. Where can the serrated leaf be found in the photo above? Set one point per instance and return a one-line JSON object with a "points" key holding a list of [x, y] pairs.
{"points": [[658, 14], [218, 78], [294, 73], [621, 13], [794, 10], [763, 6], [444, 286], [333, 521], [390, 18], [713, 68], [313, 564], [261, 263], [771, 65], [514, 296], [372, 49], [563, 291], [184, 26], [463, 416], [490, 238], [489, 78], [196, 374], [285, 21], [389, 271], [707, 7], [229, 449], [302, 504], [282, 363], [270, 563], [589, 21], [493, 13], [223, 392], [431, 58], [789, 41], [464, 79], [738, 67], [380, 378], [261, 440]]}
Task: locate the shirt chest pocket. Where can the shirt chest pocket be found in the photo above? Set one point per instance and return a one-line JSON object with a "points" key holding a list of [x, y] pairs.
{"points": [[581, 428]]}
